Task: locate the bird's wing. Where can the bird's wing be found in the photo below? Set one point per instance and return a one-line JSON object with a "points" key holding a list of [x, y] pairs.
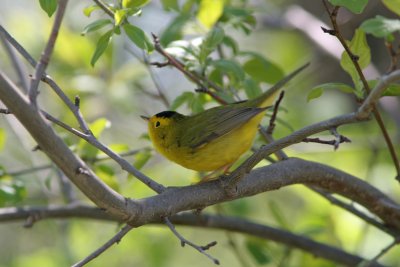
{"points": [[219, 123]]}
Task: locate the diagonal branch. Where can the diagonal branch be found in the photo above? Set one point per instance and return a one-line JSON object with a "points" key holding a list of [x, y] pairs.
{"points": [[114, 240], [45, 57], [354, 58]]}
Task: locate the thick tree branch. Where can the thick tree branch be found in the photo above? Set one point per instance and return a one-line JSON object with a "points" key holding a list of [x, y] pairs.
{"points": [[58, 151], [229, 223]]}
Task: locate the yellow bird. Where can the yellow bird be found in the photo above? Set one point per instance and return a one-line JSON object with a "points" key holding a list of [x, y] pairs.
{"points": [[212, 139]]}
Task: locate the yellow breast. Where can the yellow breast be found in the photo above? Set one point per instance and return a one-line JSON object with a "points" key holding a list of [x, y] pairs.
{"points": [[211, 156]]}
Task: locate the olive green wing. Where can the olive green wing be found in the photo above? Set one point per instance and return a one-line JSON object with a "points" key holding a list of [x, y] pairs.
{"points": [[216, 122]]}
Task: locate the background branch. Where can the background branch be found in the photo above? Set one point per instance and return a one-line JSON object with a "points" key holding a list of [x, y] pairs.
{"points": [[203, 220]]}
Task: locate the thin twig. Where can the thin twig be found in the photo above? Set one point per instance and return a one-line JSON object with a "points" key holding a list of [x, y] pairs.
{"points": [[375, 259], [354, 58], [125, 165], [362, 114], [18, 67], [114, 240], [203, 82], [184, 241], [350, 208], [104, 7], [145, 61], [271, 125], [45, 57], [335, 143]]}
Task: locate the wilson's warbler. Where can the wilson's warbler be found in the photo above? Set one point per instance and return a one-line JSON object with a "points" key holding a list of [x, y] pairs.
{"points": [[214, 138]]}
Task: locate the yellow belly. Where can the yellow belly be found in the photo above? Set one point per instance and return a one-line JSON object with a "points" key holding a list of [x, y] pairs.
{"points": [[218, 153]]}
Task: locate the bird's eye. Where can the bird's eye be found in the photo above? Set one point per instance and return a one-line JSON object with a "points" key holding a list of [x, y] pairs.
{"points": [[157, 124]]}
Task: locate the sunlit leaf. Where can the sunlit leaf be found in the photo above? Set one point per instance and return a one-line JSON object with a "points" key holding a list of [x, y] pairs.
{"points": [[209, 12], [2, 138], [359, 47], [380, 26], [96, 25], [101, 46], [393, 5], [355, 6], [258, 250], [49, 6], [138, 37], [119, 16], [261, 69], [134, 3], [88, 10]]}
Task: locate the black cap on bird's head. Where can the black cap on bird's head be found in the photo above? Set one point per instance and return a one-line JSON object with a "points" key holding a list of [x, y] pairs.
{"points": [[166, 114]]}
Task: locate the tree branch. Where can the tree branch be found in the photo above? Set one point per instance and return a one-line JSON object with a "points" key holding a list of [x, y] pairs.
{"points": [[228, 223], [45, 57], [354, 58], [114, 240]]}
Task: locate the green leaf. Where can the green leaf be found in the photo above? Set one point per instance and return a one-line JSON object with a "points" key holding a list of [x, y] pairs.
{"points": [[107, 175], [209, 12], [261, 69], [393, 5], [315, 93], [240, 18], [359, 47], [142, 158], [381, 27], [138, 37], [355, 6], [96, 25], [231, 43], [233, 69], [101, 46], [173, 31], [197, 103], [13, 192], [134, 3], [251, 88], [88, 10], [180, 100], [120, 16], [258, 250], [86, 150], [49, 6], [210, 43], [170, 4], [2, 138], [392, 90]]}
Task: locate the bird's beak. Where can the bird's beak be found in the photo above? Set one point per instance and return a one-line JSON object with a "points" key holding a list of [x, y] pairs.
{"points": [[145, 118]]}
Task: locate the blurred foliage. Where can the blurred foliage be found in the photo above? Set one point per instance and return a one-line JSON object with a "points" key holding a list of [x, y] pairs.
{"points": [[242, 47]]}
